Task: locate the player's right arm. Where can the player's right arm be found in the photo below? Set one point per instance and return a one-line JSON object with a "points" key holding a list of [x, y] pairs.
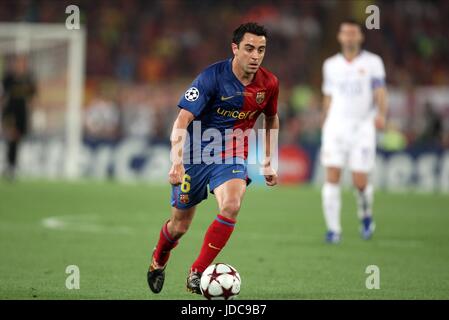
{"points": [[3, 91], [192, 103], [177, 138], [327, 90], [326, 105]]}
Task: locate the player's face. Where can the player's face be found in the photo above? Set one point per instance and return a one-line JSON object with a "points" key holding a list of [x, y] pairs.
{"points": [[250, 52], [20, 65], [350, 36]]}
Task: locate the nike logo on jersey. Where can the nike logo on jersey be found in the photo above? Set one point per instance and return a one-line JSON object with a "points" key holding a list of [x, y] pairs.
{"points": [[213, 247], [226, 98]]}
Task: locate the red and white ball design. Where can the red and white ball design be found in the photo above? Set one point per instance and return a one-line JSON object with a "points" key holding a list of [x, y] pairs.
{"points": [[220, 282]]}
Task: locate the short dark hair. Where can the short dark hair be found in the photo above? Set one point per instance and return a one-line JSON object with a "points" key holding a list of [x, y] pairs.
{"points": [[351, 21], [250, 27]]}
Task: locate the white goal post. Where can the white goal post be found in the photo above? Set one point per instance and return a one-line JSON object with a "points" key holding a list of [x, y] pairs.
{"points": [[26, 38]]}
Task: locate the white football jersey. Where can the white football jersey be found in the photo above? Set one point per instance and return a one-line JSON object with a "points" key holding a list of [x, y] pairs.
{"points": [[351, 85]]}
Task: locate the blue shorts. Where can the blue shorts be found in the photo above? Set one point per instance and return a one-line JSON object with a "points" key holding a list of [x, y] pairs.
{"points": [[193, 190]]}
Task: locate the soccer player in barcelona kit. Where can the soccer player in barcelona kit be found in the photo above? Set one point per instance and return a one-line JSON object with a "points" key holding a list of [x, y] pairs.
{"points": [[353, 85], [230, 94]]}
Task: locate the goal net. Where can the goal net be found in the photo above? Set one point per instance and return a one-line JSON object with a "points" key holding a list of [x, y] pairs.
{"points": [[56, 58]]}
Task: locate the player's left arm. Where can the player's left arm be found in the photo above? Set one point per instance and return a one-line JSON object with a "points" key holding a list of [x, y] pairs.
{"points": [[271, 126], [380, 98], [380, 93]]}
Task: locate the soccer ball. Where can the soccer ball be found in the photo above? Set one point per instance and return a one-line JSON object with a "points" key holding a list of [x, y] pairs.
{"points": [[220, 282]]}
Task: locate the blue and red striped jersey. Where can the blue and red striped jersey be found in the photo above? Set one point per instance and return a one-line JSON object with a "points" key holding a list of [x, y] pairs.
{"points": [[219, 101]]}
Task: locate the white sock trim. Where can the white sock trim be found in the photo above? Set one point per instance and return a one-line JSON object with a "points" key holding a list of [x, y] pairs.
{"points": [[331, 202], [365, 201]]}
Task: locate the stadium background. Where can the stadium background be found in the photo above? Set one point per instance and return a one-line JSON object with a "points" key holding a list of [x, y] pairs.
{"points": [[140, 57]]}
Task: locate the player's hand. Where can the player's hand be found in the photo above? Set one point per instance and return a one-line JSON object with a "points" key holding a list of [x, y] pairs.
{"points": [[271, 178], [380, 122], [176, 174], [322, 119]]}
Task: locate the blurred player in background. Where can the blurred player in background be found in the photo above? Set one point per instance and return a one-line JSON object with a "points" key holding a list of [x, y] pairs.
{"points": [[353, 84], [18, 89], [230, 94]]}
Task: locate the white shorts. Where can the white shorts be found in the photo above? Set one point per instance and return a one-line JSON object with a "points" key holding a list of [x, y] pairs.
{"points": [[349, 144]]}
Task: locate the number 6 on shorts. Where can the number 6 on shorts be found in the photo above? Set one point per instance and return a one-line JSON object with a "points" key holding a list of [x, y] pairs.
{"points": [[185, 186]]}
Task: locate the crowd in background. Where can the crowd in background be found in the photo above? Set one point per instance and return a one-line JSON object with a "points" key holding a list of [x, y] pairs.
{"points": [[142, 55]]}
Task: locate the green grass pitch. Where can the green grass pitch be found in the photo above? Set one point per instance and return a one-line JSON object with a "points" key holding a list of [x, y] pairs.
{"points": [[109, 229]]}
